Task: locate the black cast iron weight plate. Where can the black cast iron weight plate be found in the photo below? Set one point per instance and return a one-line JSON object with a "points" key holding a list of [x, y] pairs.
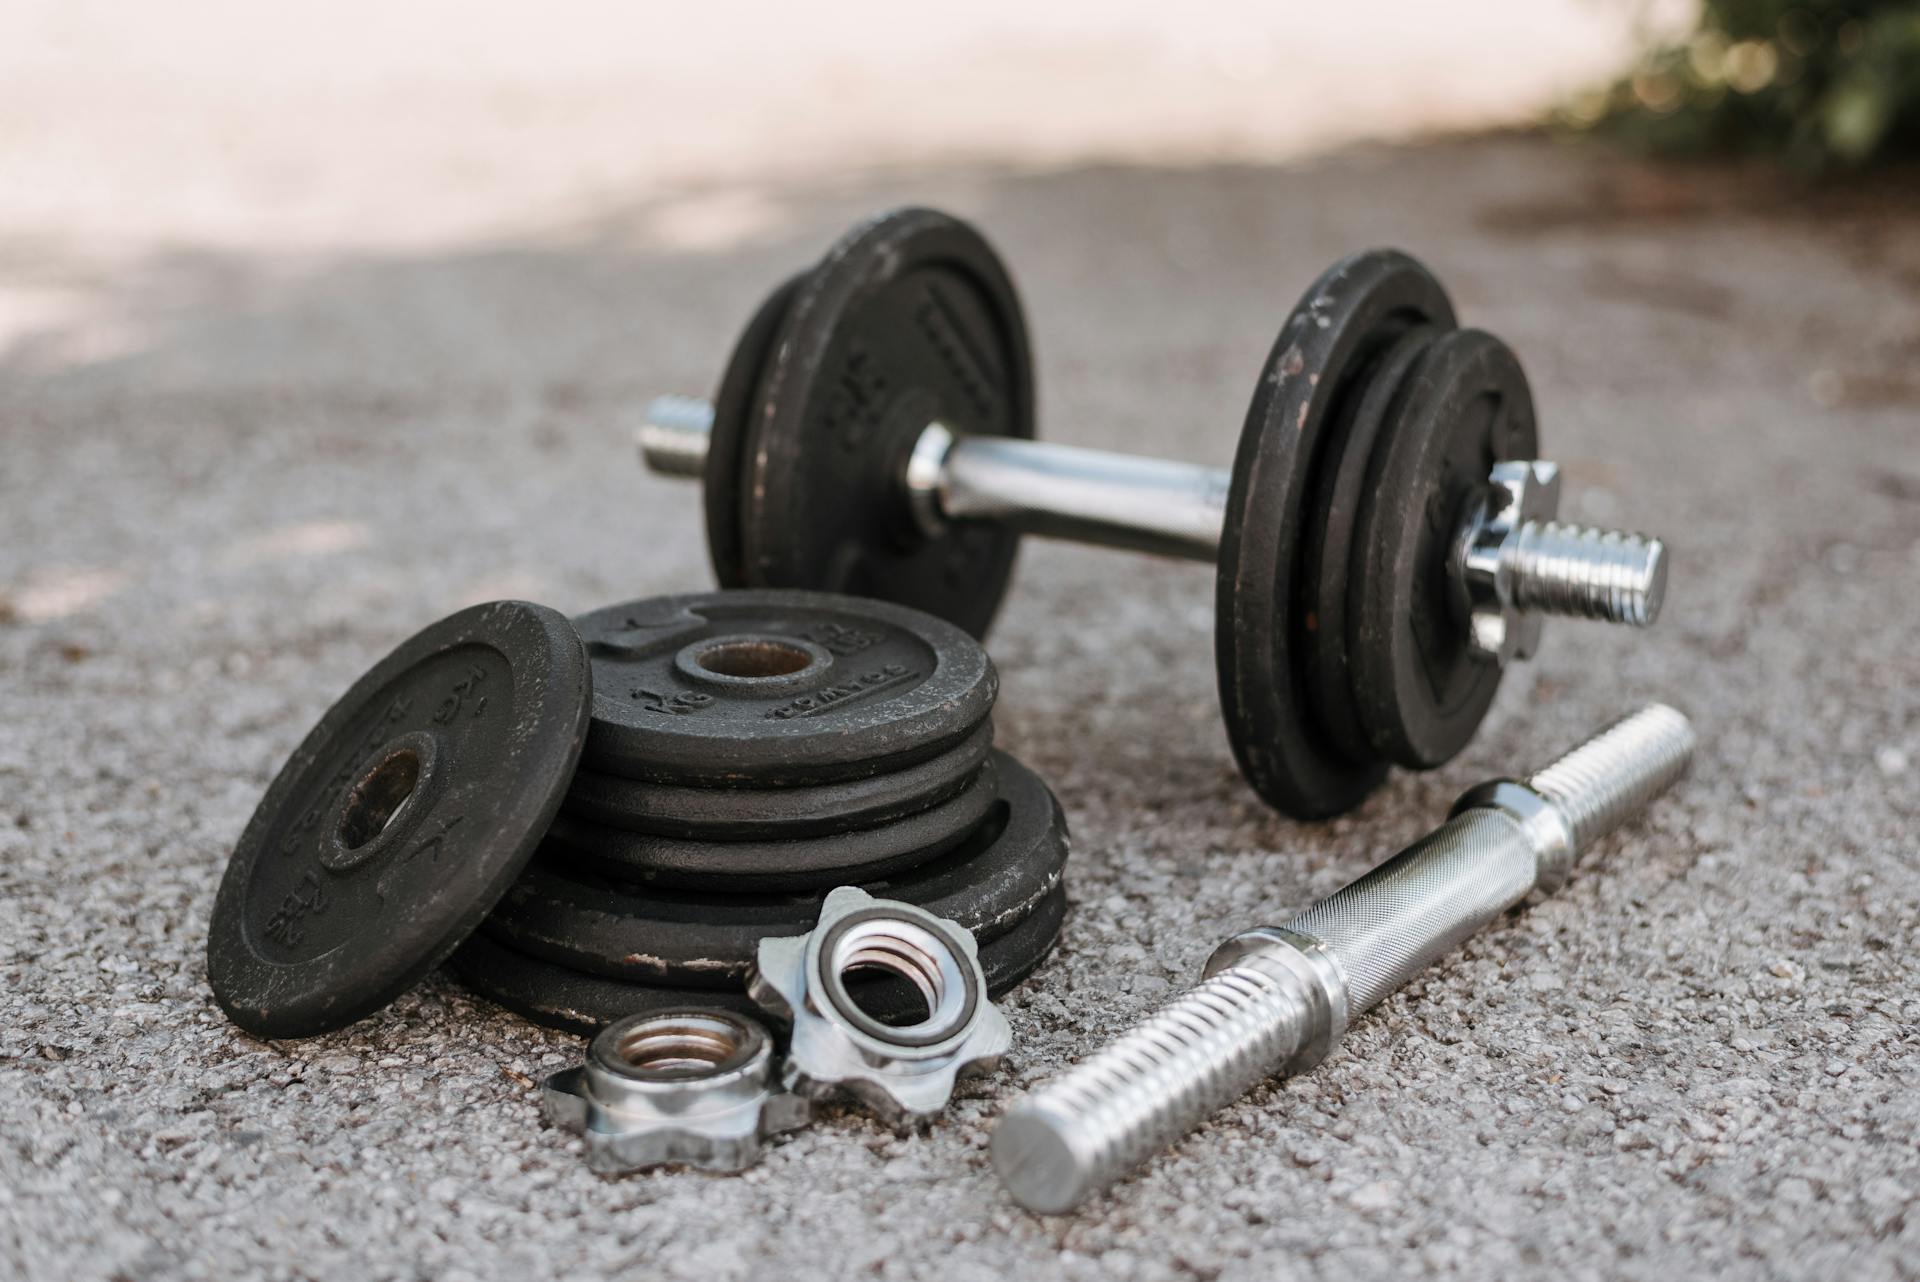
{"points": [[910, 319], [723, 480], [1330, 565], [1420, 688], [1352, 314], [803, 863], [774, 688], [646, 935], [400, 820], [742, 814], [557, 997]]}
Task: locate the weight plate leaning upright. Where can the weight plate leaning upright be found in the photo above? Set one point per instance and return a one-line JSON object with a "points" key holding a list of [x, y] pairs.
{"points": [[988, 884], [1330, 565], [736, 400], [910, 319], [1420, 687], [557, 997], [777, 688], [1355, 311], [400, 820]]}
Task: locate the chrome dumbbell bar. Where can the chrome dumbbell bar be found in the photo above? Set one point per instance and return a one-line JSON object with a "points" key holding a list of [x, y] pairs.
{"points": [[1276, 1000]]}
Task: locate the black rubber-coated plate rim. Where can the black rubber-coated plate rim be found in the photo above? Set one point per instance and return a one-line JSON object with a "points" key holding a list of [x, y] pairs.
{"points": [[1330, 562], [910, 319], [1361, 305], [400, 820], [988, 885], [803, 863], [744, 814], [875, 687], [1420, 688], [557, 997], [736, 399]]}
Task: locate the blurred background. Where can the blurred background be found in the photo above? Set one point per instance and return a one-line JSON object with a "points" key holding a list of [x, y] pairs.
{"points": [[138, 137], [366, 124]]}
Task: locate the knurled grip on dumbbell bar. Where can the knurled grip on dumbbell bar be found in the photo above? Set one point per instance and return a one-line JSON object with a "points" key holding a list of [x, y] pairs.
{"points": [[1342, 956], [1391, 923]]}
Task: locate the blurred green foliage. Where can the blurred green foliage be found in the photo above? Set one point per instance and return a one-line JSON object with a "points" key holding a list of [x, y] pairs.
{"points": [[1819, 85]]}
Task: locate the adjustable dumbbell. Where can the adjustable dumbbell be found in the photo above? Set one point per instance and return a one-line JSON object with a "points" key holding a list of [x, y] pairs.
{"points": [[1385, 542]]}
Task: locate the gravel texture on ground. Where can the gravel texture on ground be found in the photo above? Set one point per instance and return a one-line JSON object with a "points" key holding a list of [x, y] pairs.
{"points": [[1700, 1059]]}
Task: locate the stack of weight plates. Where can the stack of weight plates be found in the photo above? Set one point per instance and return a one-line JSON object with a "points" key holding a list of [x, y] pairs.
{"points": [[748, 752]]}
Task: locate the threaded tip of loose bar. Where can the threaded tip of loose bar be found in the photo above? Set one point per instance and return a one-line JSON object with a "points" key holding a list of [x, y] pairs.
{"points": [[1585, 573], [1612, 776], [1092, 1124]]}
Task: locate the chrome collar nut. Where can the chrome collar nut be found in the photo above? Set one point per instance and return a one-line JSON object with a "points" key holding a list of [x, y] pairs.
{"points": [[904, 1074], [691, 1086], [1523, 494]]}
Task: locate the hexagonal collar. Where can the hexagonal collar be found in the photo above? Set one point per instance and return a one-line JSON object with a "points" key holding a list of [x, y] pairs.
{"points": [[693, 1086], [1520, 492]]}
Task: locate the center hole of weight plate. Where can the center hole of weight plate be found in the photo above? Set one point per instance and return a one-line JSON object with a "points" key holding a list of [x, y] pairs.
{"points": [[753, 659], [754, 665], [378, 795]]}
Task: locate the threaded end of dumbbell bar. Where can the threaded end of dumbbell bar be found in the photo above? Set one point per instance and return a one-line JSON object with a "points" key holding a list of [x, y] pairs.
{"points": [[1585, 573], [1086, 1128], [673, 435], [1613, 775]]}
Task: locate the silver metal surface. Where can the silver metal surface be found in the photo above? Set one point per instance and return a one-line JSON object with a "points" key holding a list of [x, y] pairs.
{"points": [[692, 1086], [1518, 492], [673, 435], [1304, 966], [1580, 572], [1088, 496], [1549, 833], [926, 475], [906, 1073], [1516, 563], [1272, 997], [1513, 563]]}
